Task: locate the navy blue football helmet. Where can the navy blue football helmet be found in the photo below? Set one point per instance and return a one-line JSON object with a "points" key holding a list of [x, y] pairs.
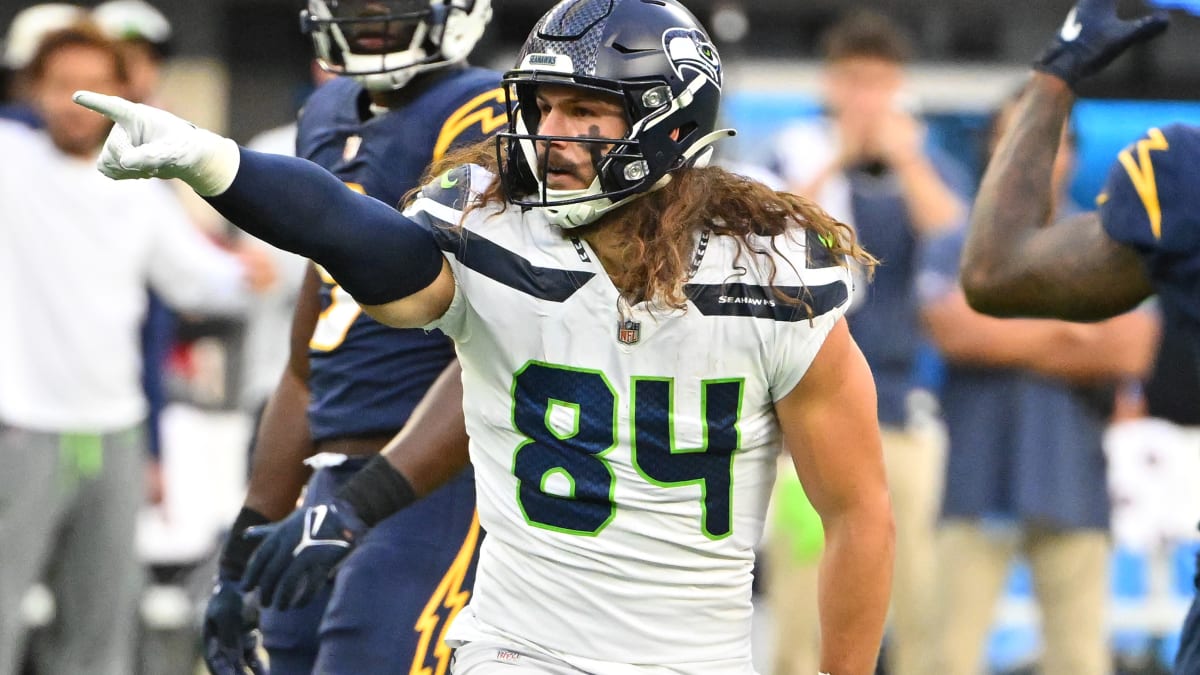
{"points": [[384, 43], [657, 58]]}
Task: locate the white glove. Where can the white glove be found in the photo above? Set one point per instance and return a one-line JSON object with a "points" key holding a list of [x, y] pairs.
{"points": [[147, 142]]}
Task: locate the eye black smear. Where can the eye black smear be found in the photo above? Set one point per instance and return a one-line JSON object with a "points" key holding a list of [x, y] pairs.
{"points": [[595, 148]]}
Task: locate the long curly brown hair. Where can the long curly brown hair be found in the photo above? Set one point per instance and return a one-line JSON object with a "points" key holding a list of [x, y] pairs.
{"points": [[658, 229]]}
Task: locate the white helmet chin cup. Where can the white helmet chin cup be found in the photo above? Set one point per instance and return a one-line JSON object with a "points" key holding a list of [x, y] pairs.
{"points": [[569, 216], [388, 76]]}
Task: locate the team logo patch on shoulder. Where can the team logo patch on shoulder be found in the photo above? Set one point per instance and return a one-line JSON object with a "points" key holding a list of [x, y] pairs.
{"points": [[451, 188], [818, 251], [690, 50], [629, 332]]}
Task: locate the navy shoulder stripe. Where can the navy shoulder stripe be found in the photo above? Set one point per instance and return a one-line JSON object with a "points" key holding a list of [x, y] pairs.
{"points": [[761, 302], [502, 265]]}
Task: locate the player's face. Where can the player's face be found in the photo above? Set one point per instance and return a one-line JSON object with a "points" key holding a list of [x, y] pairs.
{"points": [[377, 37], [73, 128], [576, 113]]}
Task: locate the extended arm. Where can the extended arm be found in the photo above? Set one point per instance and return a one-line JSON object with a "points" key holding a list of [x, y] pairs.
{"points": [[1015, 262], [831, 430], [1122, 347], [390, 264]]}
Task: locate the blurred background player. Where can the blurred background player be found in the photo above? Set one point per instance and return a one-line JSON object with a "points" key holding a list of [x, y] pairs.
{"points": [[75, 258], [21, 40], [144, 34], [868, 164], [1026, 403], [407, 97]]}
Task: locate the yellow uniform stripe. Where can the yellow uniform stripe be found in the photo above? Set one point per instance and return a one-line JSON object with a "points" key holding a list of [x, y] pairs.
{"points": [[468, 115]]}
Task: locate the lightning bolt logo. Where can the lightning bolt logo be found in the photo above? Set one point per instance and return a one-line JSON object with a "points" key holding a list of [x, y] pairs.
{"points": [[449, 598], [1141, 175], [486, 110]]}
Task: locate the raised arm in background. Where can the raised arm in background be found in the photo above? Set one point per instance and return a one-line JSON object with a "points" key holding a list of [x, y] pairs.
{"points": [[1017, 263]]}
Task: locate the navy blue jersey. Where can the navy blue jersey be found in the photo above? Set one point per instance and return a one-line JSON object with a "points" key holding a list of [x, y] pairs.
{"points": [[1151, 203], [366, 377]]}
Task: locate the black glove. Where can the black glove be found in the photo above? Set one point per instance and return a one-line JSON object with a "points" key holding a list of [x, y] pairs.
{"points": [[231, 636], [1091, 37], [299, 554]]}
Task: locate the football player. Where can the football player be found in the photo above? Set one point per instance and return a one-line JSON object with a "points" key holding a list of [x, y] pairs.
{"points": [[406, 97], [638, 334], [1142, 240]]}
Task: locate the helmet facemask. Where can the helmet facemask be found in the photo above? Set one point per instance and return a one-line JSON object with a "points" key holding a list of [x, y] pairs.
{"points": [[655, 59], [385, 43], [656, 143]]}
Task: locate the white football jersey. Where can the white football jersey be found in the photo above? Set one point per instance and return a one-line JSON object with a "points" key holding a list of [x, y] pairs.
{"points": [[623, 455]]}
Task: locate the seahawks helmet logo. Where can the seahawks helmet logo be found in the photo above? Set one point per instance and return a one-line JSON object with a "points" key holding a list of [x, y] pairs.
{"points": [[690, 50]]}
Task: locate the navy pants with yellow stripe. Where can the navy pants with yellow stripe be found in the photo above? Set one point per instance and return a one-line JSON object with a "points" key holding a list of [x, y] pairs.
{"points": [[392, 597]]}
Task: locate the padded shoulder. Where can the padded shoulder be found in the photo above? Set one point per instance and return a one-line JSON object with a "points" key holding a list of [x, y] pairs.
{"points": [[1150, 200]]}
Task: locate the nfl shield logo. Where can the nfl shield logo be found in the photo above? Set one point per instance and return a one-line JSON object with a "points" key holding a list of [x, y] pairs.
{"points": [[629, 332]]}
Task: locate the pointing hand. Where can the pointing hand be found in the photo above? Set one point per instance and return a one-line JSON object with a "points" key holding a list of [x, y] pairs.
{"points": [[147, 142]]}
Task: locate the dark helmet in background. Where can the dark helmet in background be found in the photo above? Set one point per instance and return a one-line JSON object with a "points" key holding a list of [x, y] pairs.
{"points": [[385, 43]]}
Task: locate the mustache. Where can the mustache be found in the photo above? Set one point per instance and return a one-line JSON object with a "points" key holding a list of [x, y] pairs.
{"points": [[554, 161]]}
